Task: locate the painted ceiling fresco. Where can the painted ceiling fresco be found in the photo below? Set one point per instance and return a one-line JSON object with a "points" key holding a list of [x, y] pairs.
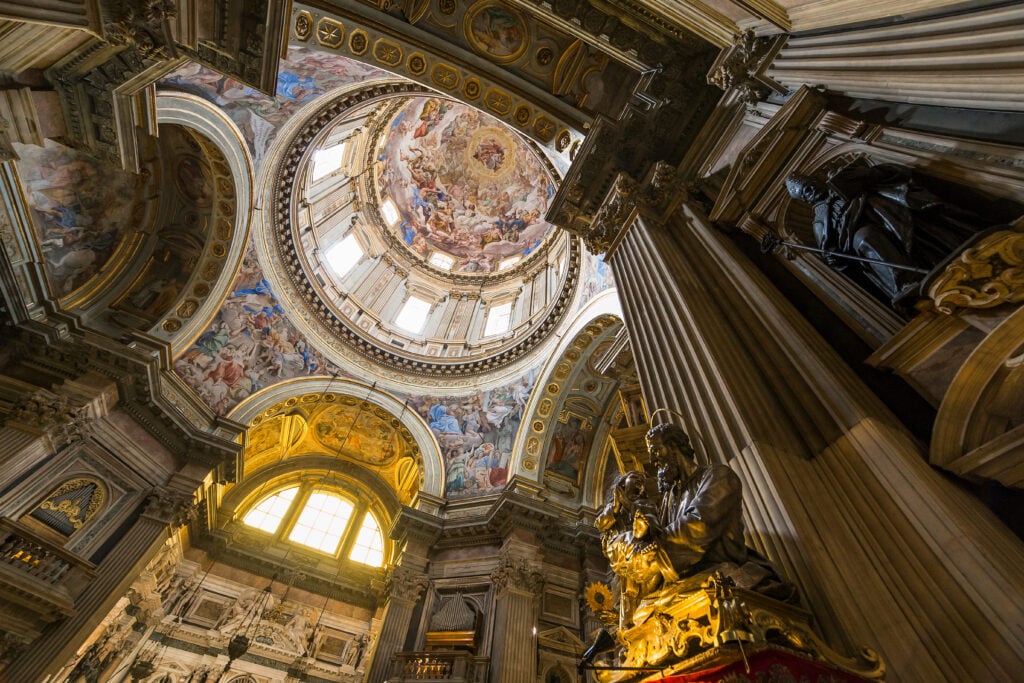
{"points": [[304, 75], [464, 185], [459, 161], [249, 345], [82, 209], [541, 53]]}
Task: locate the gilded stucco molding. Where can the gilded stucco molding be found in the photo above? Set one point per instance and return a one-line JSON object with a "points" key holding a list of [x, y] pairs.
{"points": [[987, 274]]}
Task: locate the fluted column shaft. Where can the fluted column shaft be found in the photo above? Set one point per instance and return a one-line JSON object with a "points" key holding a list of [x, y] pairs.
{"points": [[888, 553], [973, 60], [517, 587], [404, 589], [20, 451]]}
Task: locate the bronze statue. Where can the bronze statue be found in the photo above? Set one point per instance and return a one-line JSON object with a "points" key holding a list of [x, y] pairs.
{"points": [[881, 215], [687, 582], [662, 548]]}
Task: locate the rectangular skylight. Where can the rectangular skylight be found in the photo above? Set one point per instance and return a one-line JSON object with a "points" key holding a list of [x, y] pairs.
{"points": [[390, 213], [344, 255], [442, 260], [413, 315], [498, 319], [327, 160]]}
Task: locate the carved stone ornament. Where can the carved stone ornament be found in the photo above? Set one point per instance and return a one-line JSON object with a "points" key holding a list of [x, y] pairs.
{"points": [[738, 68], [611, 216], [405, 584], [988, 274], [52, 414], [661, 186], [144, 25], [169, 507], [516, 574]]}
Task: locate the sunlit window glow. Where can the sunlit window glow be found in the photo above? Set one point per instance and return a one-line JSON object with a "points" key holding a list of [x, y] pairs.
{"points": [[508, 263], [498, 319], [442, 260], [267, 515], [322, 522], [327, 161], [344, 255], [369, 545], [413, 315], [390, 213]]}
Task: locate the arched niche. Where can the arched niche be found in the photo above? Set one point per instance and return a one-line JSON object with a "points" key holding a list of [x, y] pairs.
{"points": [[229, 241], [598, 321], [979, 429], [249, 412]]}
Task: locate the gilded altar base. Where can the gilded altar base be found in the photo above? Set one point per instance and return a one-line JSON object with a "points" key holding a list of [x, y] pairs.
{"points": [[710, 627]]}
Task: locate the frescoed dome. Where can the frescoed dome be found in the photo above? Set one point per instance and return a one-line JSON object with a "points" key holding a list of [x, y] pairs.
{"points": [[465, 193]]}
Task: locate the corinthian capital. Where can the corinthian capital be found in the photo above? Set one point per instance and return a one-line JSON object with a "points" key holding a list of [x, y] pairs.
{"points": [[169, 507], [516, 574], [611, 217], [405, 584], [53, 414]]}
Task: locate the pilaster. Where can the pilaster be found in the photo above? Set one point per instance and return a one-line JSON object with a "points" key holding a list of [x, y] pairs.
{"points": [[517, 586], [403, 589], [968, 59]]}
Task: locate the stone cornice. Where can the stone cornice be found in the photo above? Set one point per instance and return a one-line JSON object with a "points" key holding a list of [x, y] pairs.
{"points": [[138, 368]]}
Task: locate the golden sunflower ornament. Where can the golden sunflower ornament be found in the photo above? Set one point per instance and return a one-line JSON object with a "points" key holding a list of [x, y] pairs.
{"points": [[599, 597]]}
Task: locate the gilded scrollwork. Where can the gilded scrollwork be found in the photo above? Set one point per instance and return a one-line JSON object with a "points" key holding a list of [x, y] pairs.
{"points": [[988, 274]]}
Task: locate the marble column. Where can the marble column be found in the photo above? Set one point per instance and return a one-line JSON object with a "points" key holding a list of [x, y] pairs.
{"points": [[404, 588], [163, 508], [888, 554], [972, 59], [517, 587]]}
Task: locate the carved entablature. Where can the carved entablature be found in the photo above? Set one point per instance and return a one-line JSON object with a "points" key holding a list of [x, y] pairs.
{"points": [[516, 574], [740, 69], [654, 197]]}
